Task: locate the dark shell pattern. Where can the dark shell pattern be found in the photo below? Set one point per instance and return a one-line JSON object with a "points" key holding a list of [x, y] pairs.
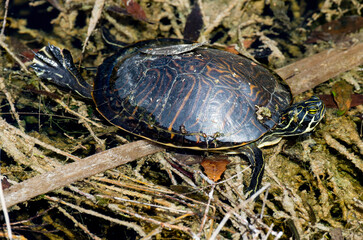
{"points": [[201, 99]]}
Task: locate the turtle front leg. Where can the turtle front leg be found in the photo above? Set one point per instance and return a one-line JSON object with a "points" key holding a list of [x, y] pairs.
{"points": [[57, 66], [255, 158]]}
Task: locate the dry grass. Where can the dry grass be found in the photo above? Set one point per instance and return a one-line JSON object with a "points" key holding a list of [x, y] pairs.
{"points": [[314, 184]]}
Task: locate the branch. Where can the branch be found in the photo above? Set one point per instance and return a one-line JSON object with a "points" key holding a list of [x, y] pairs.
{"points": [[78, 170], [311, 71]]}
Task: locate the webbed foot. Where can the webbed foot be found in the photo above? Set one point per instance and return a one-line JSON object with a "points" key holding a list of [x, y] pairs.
{"points": [[57, 66]]}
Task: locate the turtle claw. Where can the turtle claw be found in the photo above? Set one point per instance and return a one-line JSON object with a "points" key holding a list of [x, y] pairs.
{"points": [[47, 64], [56, 65]]}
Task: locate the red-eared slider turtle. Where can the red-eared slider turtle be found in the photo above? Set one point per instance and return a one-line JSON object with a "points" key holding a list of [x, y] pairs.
{"points": [[185, 95]]}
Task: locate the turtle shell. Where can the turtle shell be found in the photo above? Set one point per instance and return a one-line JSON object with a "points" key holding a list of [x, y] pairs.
{"points": [[203, 98]]}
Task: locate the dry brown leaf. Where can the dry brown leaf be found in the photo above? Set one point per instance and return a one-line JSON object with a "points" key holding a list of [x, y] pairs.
{"points": [[342, 93], [214, 168], [135, 10]]}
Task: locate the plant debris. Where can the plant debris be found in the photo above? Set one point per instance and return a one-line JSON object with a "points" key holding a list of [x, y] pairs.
{"points": [[342, 93], [214, 168], [313, 185]]}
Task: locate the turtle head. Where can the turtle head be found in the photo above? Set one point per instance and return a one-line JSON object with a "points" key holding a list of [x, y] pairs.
{"points": [[300, 118]]}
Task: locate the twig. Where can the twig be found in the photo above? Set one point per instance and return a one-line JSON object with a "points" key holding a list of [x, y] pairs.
{"points": [[264, 204], [10, 101], [2, 39], [147, 188], [269, 232], [343, 150], [181, 198], [311, 71], [210, 197], [65, 175], [5, 210], [78, 224], [99, 141], [176, 171], [150, 220], [217, 21], [99, 215], [158, 229], [70, 110], [4, 19], [5, 46], [147, 204], [86, 195], [230, 212], [4, 125]]}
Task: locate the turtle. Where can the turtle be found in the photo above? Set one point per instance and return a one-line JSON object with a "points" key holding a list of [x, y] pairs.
{"points": [[189, 95]]}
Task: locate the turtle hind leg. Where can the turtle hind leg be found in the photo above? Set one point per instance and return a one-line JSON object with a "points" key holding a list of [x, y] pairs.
{"points": [[57, 66]]}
